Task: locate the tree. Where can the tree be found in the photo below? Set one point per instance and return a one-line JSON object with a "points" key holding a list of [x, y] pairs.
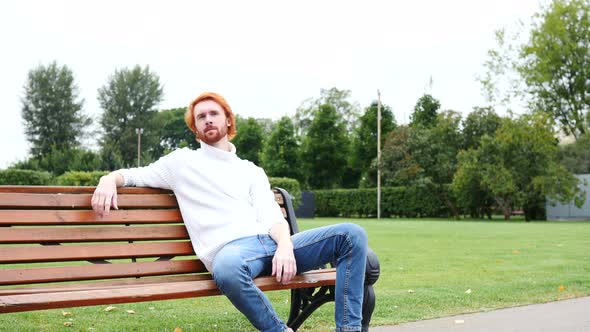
{"points": [[280, 155], [129, 100], [338, 99], [398, 166], [502, 84], [481, 121], [364, 145], [174, 133], [250, 139], [325, 149], [51, 110], [556, 64], [519, 167], [425, 112], [576, 156]]}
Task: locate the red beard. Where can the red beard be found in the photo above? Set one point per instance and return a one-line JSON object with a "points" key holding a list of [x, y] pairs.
{"points": [[212, 134]]}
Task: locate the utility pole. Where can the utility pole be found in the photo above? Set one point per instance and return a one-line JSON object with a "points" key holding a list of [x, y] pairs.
{"points": [[378, 154], [139, 131]]}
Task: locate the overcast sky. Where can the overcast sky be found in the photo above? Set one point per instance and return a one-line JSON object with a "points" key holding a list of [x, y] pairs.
{"points": [[265, 57]]}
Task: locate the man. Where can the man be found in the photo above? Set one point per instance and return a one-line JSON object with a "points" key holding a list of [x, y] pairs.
{"points": [[235, 226]]}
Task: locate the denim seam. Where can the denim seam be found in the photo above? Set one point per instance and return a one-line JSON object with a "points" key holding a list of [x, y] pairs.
{"points": [[347, 276], [270, 310]]}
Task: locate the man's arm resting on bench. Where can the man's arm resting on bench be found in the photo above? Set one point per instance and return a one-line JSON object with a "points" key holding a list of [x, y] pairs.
{"points": [[105, 194]]}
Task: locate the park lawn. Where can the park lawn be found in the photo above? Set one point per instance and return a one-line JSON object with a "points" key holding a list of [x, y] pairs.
{"points": [[429, 268]]}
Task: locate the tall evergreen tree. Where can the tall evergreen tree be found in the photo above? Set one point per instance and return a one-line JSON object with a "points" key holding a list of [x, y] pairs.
{"points": [[348, 112], [129, 100], [52, 111], [325, 149], [280, 156], [364, 146], [249, 140], [425, 112]]}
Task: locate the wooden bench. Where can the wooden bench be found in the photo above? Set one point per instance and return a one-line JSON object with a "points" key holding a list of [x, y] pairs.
{"points": [[140, 252]]}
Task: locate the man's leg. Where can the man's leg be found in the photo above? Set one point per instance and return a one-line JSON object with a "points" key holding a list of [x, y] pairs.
{"points": [[346, 246], [235, 267]]}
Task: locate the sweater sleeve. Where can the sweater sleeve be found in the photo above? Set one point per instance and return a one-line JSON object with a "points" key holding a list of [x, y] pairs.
{"points": [[268, 211], [159, 174]]}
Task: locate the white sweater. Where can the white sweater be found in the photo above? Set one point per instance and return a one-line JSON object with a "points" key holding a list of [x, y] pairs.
{"points": [[221, 197]]}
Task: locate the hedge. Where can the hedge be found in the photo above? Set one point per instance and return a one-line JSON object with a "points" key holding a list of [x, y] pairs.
{"points": [[15, 176], [410, 201], [77, 178]]}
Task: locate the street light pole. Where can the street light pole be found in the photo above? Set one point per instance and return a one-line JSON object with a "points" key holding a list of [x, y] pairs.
{"points": [[378, 154], [139, 131]]}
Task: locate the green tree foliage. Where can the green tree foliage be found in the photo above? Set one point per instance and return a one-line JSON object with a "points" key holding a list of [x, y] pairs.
{"points": [[576, 156], [482, 121], [472, 197], [129, 100], [518, 166], [398, 166], [418, 154], [426, 156], [51, 110], [364, 144], [249, 139], [280, 155], [347, 110], [425, 112], [502, 84], [325, 149], [174, 133], [556, 64]]}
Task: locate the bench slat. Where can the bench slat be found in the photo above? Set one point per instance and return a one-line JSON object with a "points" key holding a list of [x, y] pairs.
{"points": [[99, 271], [36, 254], [36, 201], [77, 190], [135, 282], [117, 283], [175, 290], [91, 234], [80, 217]]}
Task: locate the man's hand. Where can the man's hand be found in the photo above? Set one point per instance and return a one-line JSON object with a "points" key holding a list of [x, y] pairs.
{"points": [[284, 266], [105, 194]]}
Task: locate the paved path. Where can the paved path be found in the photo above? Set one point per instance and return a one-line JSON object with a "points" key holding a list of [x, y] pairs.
{"points": [[561, 316]]}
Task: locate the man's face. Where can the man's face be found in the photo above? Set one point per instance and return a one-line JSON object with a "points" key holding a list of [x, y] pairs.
{"points": [[211, 121]]}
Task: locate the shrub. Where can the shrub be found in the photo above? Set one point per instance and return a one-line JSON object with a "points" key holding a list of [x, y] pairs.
{"points": [[16, 176], [77, 178]]}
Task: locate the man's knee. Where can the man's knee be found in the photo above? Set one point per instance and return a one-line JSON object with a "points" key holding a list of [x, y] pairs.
{"points": [[357, 234], [227, 269]]}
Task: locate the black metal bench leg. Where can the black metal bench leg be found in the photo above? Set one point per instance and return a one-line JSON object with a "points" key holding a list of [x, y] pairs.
{"points": [[304, 302]]}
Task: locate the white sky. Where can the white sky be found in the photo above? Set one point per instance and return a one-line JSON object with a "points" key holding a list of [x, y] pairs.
{"points": [[265, 57]]}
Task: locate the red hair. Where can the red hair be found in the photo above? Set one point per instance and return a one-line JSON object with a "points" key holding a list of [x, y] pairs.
{"points": [[189, 116]]}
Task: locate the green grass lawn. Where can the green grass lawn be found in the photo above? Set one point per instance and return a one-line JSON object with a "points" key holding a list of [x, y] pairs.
{"points": [[427, 268]]}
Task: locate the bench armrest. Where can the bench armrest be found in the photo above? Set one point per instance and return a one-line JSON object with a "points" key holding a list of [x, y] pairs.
{"points": [[289, 211]]}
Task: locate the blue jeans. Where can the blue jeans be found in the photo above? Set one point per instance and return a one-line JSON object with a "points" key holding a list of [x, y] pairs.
{"points": [[242, 260]]}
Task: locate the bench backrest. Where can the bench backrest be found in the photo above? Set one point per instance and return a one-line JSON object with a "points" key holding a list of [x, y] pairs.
{"points": [[48, 233]]}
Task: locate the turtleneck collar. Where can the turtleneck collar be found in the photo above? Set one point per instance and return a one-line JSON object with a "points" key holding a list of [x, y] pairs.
{"points": [[219, 153]]}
